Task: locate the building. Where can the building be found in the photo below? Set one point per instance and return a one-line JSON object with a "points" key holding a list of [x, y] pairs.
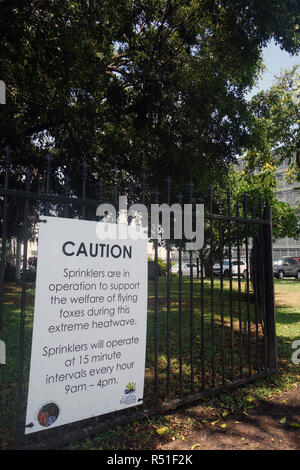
{"points": [[289, 193]]}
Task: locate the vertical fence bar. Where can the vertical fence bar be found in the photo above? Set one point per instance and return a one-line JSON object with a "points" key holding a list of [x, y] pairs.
{"points": [[100, 191], [239, 295], [4, 233], [48, 159], [66, 191], [263, 285], [255, 306], [230, 282], [84, 180], [212, 304], [191, 302], [222, 297], [129, 202], [99, 186], [202, 321], [144, 177], [156, 371], [270, 323], [200, 274], [245, 208], [180, 308], [116, 189], [168, 301], [20, 420]]}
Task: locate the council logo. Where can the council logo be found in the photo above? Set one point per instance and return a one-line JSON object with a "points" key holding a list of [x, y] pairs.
{"points": [[129, 396], [48, 414]]}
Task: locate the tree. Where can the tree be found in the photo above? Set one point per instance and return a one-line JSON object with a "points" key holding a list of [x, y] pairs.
{"points": [[156, 85], [249, 193], [153, 84], [276, 125], [262, 185]]}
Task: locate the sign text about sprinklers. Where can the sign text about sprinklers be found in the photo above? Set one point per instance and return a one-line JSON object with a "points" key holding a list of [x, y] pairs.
{"points": [[89, 333]]}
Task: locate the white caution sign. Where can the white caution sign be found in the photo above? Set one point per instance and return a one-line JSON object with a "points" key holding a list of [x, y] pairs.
{"points": [[89, 332]]}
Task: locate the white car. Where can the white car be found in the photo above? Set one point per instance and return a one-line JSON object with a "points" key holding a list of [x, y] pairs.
{"points": [[185, 269], [234, 268]]}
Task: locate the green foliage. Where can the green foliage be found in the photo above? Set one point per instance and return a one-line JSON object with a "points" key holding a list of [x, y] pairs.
{"points": [[262, 184], [153, 84], [251, 191], [162, 266], [275, 127]]}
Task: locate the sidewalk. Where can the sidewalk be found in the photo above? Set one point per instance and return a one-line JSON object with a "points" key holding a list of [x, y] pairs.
{"points": [[273, 425]]}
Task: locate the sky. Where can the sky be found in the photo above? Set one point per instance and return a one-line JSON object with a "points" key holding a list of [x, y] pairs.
{"points": [[276, 61]]}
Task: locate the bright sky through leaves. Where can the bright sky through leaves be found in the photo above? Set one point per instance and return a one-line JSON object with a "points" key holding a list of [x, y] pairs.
{"points": [[276, 62]]}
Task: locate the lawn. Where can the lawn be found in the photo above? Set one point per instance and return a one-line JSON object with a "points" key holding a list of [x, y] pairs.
{"points": [[232, 327]]}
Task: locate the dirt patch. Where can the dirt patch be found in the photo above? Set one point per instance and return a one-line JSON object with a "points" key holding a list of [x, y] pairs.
{"points": [[273, 425]]}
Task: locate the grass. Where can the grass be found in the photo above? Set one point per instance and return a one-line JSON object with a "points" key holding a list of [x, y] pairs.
{"points": [[229, 326]]}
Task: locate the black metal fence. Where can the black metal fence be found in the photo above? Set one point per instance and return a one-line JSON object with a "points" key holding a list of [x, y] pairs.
{"points": [[211, 324]]}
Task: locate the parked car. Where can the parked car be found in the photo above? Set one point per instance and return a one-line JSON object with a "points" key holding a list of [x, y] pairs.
{"points": [[286, 267], [234, 268], [185, 268]]}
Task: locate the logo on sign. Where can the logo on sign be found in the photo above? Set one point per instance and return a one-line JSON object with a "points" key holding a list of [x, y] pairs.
{"points": [[48, 414], [129, 394]]}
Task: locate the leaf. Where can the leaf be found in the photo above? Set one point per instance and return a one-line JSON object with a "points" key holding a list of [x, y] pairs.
{"points": [[237, 422], [295, 425], [223, 426], [282, 421], [161, 431], [194, 446], [225, 413], [214, 422]]}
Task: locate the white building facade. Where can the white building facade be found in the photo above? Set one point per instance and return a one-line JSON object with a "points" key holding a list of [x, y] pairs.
{"points": [[289, 193]]}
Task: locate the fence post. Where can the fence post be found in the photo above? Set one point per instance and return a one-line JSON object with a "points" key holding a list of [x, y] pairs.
{"points": [[270, 321]]}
